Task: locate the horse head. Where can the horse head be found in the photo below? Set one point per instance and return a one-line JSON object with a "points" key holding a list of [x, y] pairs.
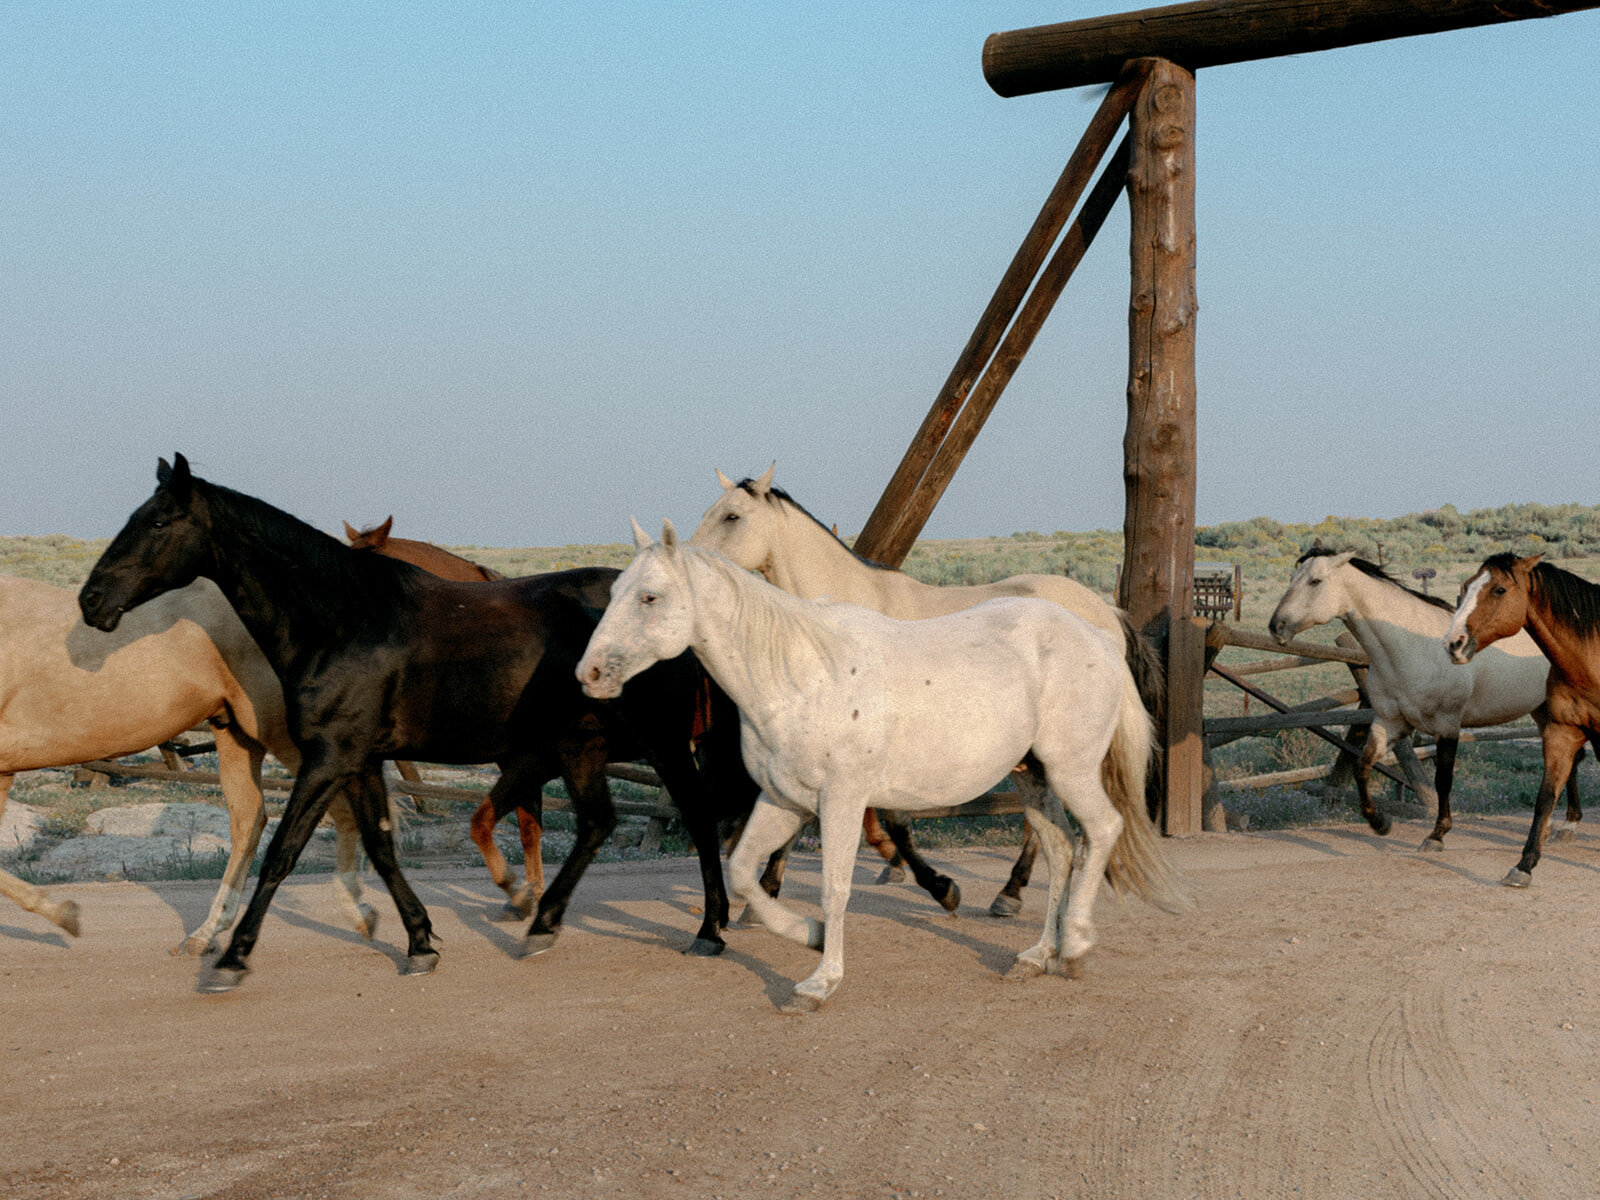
{"points": [[369, 539], [1493, 604], [1313, 597], [164, 545], [650, 617], [739, 525]]}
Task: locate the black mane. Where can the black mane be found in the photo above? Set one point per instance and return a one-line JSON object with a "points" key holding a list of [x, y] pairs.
{"points": [[1376, 572], [346, 580], [749, 485]]}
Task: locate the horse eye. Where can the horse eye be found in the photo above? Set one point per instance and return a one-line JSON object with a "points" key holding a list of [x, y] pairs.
{"points": [[1500, 591], [647, 598], [731, 517]]}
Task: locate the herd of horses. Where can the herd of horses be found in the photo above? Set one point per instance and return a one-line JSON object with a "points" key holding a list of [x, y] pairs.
{"points": [[819, 686]]}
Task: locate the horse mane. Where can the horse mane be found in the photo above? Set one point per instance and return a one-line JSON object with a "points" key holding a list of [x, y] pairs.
{"points": [[780, 622], [1573, 601], [777, 493], [282, 542], [1373, 570]]}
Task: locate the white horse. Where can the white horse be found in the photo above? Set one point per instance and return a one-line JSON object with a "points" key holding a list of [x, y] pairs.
{"points": [[69, 694], [843, 708], [762, 528], [1412, 683]]}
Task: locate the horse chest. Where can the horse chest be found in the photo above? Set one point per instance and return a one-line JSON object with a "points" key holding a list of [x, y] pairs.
{"points": [[1568, 705]]}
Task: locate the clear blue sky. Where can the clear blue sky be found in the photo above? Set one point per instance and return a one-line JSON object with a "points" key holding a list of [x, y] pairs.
{"points": [[513, 272]]}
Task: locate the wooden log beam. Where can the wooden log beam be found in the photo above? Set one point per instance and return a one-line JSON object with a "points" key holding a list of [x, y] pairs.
{"points": [[1230, 727], [873, 541], [1251, 640], [1208, 33]]}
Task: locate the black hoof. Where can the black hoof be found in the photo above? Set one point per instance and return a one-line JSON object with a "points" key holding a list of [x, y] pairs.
{"points": [[537, 943], [1005, 906], [420, 964], [1517, 878], [950, 899], [214, 981], [1381, 825], [706, 947]]}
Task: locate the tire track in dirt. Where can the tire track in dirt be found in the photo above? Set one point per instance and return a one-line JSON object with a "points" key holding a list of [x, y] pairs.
{"points": [[1433, 1112]]}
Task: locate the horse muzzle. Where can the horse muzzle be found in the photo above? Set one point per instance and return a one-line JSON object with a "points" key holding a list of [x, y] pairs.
{"points": [[1461, 648], [96, 613], [598, 683]]}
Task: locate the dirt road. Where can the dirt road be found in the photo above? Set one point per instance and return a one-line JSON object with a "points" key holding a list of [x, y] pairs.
{"points": [[1341, 1017]]}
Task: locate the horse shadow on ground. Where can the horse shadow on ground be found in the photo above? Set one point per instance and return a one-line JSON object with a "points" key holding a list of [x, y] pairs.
{"points": [[42, 937]]}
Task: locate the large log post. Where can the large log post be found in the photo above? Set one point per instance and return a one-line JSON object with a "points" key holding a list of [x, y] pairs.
{"points": [[1159, 445]]}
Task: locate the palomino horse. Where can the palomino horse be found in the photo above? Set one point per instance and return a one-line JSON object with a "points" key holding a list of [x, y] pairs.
{"points": [[844, 708], [1561, 612], [69, 693], [762, 528], [1411, 682], [380, 660]]}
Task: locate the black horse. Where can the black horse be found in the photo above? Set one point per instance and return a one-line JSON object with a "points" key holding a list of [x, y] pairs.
{"points": [[380, 660]]}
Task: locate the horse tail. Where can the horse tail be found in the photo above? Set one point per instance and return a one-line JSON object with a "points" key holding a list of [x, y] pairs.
{"points": [[1150, 676], [1139, 863]]}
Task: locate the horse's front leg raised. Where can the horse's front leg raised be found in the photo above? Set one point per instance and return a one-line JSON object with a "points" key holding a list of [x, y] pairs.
{"points": [[769, 827], [1371, 751], [840, 819], [1561, 745]]}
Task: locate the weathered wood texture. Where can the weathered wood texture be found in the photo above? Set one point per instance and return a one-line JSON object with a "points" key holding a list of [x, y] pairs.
{"points": [[888, 534], [1212, 32]]}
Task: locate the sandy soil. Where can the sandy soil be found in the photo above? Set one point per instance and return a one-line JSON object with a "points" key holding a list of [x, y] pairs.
{"points": [[1341, 1017]]}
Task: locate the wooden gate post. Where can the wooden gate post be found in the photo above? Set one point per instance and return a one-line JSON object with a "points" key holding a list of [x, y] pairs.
{"points": [[1159, 445]]}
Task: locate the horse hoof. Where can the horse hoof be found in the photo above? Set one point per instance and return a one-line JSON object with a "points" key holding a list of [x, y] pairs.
{"points": [[214, 981], [537, 943], [1068, 968], [1005, 906], [706, 948], [799, 1002], [892, 875], [951, 899], [1432, 845], [421, 964], [368, 925], [1565, 834], [1022, 970], [66, 916], [1382, 826], [194, 947], [510, 912], [1517, 878]]}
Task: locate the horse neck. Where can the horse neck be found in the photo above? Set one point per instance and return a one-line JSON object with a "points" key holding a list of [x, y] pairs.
{"points": [[756, 641], [1383, 615], [281, 579], [809, 562], [1570, 654]]}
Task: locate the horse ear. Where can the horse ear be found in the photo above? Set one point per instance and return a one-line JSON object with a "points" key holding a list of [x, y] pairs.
{"points": [[764, 484], [1339, 560], [1524, 566], [727, 484], [669, 535], [175, 478], [380, 535], [351, 533], [641, 539]]}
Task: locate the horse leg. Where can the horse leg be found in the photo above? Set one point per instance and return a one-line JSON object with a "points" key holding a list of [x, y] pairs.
{"points": [[346, 873], [887, 845], [1079, 786], [770, 826], [941, 887], [687, 787], [584, 755], [1444, 774], [840, 817], [26, 895], [530, 829], [1561, 744], [368, 798], [515, 789], [314, 787], [1008, 903], [1565, 832], [1371, 751], [1053, 837], [239, 768]]}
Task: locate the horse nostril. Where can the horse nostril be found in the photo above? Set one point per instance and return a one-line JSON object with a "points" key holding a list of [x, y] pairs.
{"points": [[91, 599]]}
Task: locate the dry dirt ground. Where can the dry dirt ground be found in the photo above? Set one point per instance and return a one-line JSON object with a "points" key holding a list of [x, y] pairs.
{"points": [[1341, 1017]]}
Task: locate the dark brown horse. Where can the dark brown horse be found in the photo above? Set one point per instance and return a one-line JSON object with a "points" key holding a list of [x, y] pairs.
{"points": [[380, 660], [1562, 614]]}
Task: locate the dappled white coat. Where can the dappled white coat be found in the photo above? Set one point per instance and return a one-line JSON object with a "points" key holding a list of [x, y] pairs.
{"points": [[844, 708]]}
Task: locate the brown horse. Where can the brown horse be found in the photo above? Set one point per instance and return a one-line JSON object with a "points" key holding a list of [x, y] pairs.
{"points": [[1562, 614], [434, 559]]}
